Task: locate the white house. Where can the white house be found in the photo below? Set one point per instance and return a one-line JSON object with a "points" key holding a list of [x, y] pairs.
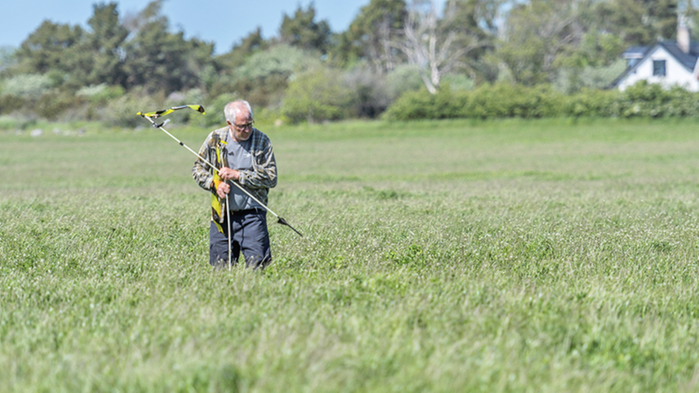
{"points": [[667, 62]]}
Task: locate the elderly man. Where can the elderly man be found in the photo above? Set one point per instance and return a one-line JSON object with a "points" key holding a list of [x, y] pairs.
{"points": [[243, 154]]}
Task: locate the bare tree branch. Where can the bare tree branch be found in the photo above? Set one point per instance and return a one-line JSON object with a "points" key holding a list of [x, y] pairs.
{"points": [[429, 43]]}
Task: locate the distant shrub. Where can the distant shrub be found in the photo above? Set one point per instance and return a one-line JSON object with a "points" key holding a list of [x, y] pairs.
{"points": [[17, 122], [265, 75], [214, 117], [370, 95], [652, 100], [213, 107], [51, 105], [280, 60], [506, 100], [487, 101], [402, 79], [9, 123], [457, 82], [591, 103], [316, 95], [30, 86], [571, 80], [10, 103], [121, 112], [414, 105], [100, 93]]}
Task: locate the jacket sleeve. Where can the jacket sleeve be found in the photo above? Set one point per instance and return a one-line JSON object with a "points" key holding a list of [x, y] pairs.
{"points": [[264, 172], [201, 172]]}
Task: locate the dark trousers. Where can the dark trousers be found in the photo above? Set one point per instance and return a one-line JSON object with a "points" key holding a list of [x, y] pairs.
{"points": [[249, 236]]}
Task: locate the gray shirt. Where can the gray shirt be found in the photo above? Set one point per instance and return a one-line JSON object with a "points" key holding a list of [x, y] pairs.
{"points": [[239, 157]]}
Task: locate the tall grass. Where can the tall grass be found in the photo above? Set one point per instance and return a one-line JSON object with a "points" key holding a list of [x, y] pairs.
{"points": [[439, 256]]}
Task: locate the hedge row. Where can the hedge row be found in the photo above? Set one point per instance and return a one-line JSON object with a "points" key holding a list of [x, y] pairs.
{"points": [[505, 100]]}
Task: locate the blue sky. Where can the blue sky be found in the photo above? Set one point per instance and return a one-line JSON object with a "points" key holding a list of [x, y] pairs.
{"points": [[219, 21]]}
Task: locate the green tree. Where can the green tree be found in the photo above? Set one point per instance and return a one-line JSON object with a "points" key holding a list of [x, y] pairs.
{"points": [[160, 60], [225, 65], [49, 47], [265, 75], [476, 25], [372, 33], [438, 46], [539, 34], [8, 57], [29, 86], [304, 32], [249, 45], [105, 44], [98, 56], [638, 22]]}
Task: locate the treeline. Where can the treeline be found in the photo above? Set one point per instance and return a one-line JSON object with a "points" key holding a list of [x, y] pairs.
{"points": [[397, 59]]}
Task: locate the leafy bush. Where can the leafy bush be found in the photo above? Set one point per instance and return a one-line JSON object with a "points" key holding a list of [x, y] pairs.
{"points": [[496, 101], [652, 100], [315, 95], [458, 82], [30, 86], [413, 105], [572, 80], [264, 76], [122, 111], [10, 103], [591, 103], [370, 94], [279, 60], [9, 123], [101, 93], [214, 108], [214, 117], [51, 105], [507, 100], [403, 79]]}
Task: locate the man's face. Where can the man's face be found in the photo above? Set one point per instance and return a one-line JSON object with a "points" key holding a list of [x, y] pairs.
{"points": [[242, 128]]}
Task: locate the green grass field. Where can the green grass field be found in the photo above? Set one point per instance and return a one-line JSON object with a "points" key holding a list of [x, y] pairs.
{"points": [[538, 256]]}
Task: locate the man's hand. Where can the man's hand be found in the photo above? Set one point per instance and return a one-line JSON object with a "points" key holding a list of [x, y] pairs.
{"points": [[228, 174], [223, 189]]}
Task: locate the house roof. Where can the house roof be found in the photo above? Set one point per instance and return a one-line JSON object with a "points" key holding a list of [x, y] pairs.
{"points": [[635, 52], [688, 60]]}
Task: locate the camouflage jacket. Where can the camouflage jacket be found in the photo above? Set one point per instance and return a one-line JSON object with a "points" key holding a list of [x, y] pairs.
{"points": [[257, 181]]}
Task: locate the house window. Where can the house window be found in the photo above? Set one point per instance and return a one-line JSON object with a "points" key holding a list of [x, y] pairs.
{"points": [[658, 67]]}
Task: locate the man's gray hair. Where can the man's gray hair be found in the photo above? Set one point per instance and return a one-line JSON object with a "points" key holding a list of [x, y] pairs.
{"points": [[232, 108]]}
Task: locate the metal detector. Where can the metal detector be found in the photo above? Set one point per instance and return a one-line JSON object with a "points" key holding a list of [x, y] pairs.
{"points": [[151, 116]]}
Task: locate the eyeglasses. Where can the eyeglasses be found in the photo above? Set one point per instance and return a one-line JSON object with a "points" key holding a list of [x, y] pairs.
{"points": [[241, 127]]}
